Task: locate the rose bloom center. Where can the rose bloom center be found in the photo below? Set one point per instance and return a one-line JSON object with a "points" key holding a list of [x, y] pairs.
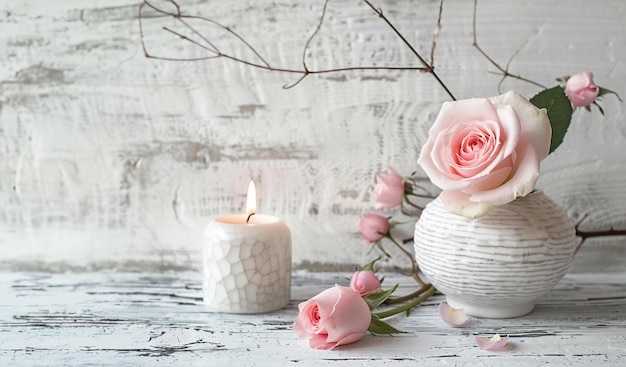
{"points": [[314, 315], [472, 146]]}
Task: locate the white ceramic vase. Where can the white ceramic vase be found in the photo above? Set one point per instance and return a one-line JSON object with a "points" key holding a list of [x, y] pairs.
{"points": [[499, 265]]}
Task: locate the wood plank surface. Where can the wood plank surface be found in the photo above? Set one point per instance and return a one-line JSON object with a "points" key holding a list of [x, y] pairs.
{"points": [[112, 161], [135, 319]]}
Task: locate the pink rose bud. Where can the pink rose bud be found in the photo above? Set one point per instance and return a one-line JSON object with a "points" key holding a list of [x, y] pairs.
{"points": [[337, 316], [581, 90], [389, 189], [365, 282], [373, 227]]}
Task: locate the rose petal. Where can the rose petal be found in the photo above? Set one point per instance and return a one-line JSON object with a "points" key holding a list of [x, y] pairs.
{"points": [[493, 343], [319, 342], [452, 316], [458, 202], [521, 184], [308, 320], [508, 117], [534, 122], [350, 317], [480, 109]]}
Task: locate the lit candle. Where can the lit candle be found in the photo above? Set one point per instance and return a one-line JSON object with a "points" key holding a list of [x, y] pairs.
{"points": [[247, 262]]}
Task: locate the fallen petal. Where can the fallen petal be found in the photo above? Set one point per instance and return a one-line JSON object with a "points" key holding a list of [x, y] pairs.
{"points": [[452, 316], [493, 343]]}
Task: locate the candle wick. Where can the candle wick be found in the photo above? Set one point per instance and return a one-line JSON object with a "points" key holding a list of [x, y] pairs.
{"points": [[248, 220]]}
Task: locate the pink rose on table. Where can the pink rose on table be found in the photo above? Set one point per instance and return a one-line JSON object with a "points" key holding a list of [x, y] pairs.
{"points": [[337, 316], [365, 282], [389, 189], [581, 90], [373, 227], [484, 152]]}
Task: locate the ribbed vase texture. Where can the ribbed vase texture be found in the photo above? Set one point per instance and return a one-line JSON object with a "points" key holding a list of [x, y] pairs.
{"points": [[499, 265]]}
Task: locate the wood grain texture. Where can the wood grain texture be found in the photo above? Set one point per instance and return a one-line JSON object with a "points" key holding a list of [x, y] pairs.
{"points": [[123, 319], [111, 161]]}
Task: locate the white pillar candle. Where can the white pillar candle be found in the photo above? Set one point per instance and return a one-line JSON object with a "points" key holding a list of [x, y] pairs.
{"points": [[247, 263]]}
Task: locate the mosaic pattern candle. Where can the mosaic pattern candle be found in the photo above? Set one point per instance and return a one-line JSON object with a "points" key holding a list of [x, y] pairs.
{"points": [[247, 262]]}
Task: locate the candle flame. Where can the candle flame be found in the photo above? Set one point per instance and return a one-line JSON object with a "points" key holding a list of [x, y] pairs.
{"points": [[251, 199]]}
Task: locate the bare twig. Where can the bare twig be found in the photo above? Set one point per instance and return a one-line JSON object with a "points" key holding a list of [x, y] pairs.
{"points": [[504, 72], [428, 68], [317, 29], [436, 35], [262, 63], [584, 235], [181, 18], [608, 232]]}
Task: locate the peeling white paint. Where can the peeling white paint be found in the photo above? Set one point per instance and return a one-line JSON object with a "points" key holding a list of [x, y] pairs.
{"points": [[110, 159]]}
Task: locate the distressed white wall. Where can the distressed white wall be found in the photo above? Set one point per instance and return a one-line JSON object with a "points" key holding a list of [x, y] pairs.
{"points": [[112, 161]]}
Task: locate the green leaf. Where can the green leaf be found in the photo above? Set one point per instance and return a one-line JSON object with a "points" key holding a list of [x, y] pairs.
{"points": [[370, 265], [374, 300], [559, 108], [604, 91], [378, 326], [380, 247], [599, 107]]}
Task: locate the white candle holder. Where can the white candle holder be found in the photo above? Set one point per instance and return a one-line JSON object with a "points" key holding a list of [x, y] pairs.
{"points": [[247, 265]]}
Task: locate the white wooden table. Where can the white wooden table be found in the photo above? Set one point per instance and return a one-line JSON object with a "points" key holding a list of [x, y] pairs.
{"points": [[135, 319]]}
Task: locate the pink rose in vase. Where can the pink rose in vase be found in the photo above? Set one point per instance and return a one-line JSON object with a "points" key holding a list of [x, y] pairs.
{"points": [[484, 152]]}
